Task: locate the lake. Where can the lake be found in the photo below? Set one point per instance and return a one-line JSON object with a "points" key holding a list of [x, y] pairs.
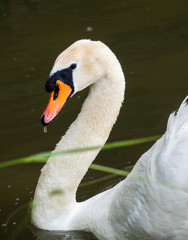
{"points": [[150, 39]]}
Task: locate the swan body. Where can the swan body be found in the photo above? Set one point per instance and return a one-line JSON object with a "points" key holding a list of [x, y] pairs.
{"points": [[151, 203]]}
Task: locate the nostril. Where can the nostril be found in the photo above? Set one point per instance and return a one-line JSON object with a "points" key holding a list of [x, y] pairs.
{"points": [[56, 92]]}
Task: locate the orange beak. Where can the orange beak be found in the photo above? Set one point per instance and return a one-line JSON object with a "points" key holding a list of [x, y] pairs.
{"points": [[58, 98]]}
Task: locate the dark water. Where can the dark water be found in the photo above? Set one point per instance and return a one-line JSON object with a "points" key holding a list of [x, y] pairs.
{"points": [[150, 38]]}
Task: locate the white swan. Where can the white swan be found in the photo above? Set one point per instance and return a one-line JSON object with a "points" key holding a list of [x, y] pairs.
{"points": [[135, 208]]}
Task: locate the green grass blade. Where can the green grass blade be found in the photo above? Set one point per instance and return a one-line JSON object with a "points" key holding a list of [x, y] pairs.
{"points": [[104, 178], [109, 170], [42, 157], [130, 142]]}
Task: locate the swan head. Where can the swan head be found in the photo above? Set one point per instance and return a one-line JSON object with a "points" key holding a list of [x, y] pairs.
{"points": [[79, 66]]}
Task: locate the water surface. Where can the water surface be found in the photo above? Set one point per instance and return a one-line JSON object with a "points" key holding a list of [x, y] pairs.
{"points": [[150, 38]]}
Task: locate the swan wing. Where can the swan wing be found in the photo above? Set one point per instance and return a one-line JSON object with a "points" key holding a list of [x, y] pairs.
{"points": [[172, 159], [152, 202]]}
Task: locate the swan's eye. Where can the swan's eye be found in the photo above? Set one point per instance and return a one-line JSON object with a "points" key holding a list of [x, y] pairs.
{"points": [[73, 66]]}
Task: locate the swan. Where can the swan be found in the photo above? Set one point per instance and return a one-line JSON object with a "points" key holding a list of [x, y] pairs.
{"points": [[150, 206]]}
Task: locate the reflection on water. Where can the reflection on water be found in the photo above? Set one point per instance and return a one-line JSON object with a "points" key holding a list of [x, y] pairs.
{"points": [[62, 235], [150, 38]]}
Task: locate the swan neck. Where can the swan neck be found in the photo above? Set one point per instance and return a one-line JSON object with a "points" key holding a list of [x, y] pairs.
{"points": [[91, 128]]}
